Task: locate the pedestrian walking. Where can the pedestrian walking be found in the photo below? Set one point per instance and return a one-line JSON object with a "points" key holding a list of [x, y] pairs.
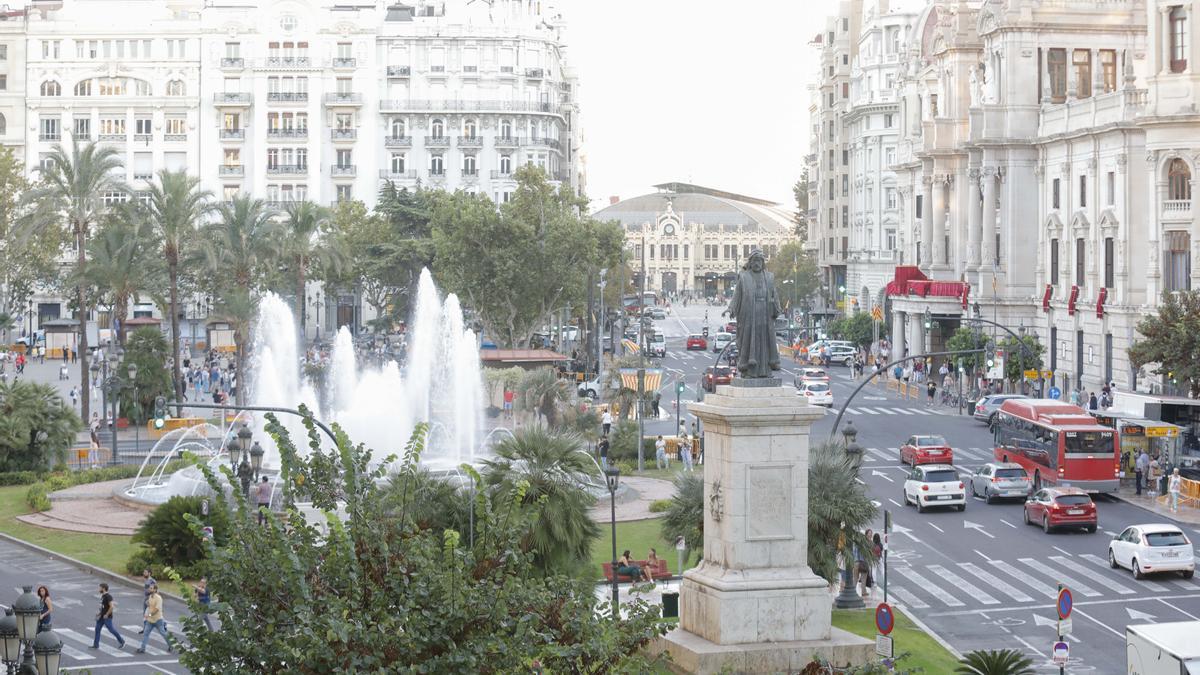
{"points": [[930, 390], [74, 395], [205, 600], [1141, 469], [153, 620], [104, 619], [94, 446], [47, 609], [602, 450], [1093, 402], [685, 452], [606, 422], [264, 500], [660, 454], [66, 354], [1153, 476], [1174, 485], [147, 582]]}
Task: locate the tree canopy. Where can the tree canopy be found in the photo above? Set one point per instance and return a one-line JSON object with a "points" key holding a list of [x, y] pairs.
{"points": [[1171, 340], [796, 274]]}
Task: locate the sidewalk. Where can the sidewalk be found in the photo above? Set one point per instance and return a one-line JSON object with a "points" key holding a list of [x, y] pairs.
{"points": [[1159, 505], [635, 503], [89, 508]]}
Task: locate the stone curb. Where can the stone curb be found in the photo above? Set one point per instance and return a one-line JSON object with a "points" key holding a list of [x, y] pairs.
{"points": [[94, 570]]}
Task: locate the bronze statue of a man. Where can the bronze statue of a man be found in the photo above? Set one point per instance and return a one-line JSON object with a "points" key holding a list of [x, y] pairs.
{"points": [[754, 306]]}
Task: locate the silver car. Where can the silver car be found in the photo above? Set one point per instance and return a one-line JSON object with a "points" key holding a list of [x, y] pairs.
{"points": [[997, 480]]}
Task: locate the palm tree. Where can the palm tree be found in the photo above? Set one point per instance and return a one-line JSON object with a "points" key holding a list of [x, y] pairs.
{"points": [[241, 245], [430, 501], [995, 662], [36, 426], [559, 470], [839, 510], [541, 391], [303, 248], [120, 266], [685, 517], [74, 190], [7, 323], [177, 205]]}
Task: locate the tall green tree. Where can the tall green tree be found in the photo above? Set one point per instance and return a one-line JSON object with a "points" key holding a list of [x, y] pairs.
{"points": [[148, 350], [241, 247], [857, 328], [177, 207], [796, 274], [1171, 340], [306, 249], [122, 264], [28, 255], [541, 392], [517, 264], [1015, 358], [800, 218], [36, 426], [78, 184]]}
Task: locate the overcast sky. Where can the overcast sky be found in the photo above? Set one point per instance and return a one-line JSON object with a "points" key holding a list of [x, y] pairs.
{"points": [[700, 91]]}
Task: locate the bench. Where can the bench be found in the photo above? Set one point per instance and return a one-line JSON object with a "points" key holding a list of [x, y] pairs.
{"points": [[657, 573]]}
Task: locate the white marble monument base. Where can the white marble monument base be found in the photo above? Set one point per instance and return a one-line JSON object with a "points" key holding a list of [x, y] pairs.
{"points": [[691, 653]]}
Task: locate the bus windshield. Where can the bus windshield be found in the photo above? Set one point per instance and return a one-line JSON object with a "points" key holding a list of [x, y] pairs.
{"points": [[1088, 442]]}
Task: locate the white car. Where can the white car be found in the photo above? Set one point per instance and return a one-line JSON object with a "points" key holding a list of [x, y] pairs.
{"points": [[721, 340], [814, 374], [1146, 549], [934, 485], [817, 393]]}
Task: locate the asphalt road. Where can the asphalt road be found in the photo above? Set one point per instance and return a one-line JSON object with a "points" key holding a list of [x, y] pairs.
{"points": [[980, 579], [76, 599]]}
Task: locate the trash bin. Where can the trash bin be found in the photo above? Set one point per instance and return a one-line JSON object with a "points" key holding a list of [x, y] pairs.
{"points": [[670, 607], [971, 408]]}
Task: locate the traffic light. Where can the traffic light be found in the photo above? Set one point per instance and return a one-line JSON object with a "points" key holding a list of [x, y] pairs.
{"points": [[991, 354], [680, 387], [160, 412], [928, 319]]}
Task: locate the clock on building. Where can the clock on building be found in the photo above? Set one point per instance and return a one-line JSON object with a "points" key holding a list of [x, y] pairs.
{"points": [[669, 229]]}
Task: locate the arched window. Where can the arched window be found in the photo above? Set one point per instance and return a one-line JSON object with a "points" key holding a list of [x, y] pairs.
{"points": [[399, 128], [3, 125], [437, 129], [470, 129], [1179, 180], [51, 88], [175, 88], [83, 88], [506, 129]]}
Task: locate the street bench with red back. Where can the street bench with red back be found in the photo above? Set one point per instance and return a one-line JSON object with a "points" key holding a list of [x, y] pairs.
{"points": [[659, 572]]}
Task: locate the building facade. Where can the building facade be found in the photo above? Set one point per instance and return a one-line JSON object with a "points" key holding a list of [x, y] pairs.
{"points": [[692, 240]]}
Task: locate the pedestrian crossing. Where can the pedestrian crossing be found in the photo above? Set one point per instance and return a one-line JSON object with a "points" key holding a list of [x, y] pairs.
{"points": [[882, 410], [954, 586], [130, 633], [892, 455]]}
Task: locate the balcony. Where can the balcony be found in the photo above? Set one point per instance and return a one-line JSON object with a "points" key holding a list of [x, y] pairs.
{"points": [[50, 136], [233, 134], [398, 142], [112, 138], [233, 62], [470, 174], [502, 175], [143, 138], [549, 142], [343, 134], [287, 134], [287, 96], [470, 141], [535, 73], [171, 138], [1102, 110], [232, 98], [1177, 210], [82, 136], [288, 62], [343, 171], [398, 71], [394, 175], [288, 169], [343, 98], [231, 170], [470, 69], [343, 62], [283, 204], [437, 141], [508, 141], [143, 176], [460, 105]]}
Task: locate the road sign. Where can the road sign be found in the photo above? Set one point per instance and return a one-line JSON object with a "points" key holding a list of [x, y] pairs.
{"points": [[1061, 653], [885, 621], [1065, 602], [1054, 393], [1064, 627], [1047, 374], [1031, 374], [877, 313], [883, 646]]}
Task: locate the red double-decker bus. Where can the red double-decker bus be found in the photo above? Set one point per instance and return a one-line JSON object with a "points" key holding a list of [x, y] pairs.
{"points": [[1057, 444]]}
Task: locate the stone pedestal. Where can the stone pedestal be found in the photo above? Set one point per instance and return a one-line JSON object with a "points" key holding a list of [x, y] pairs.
{"points": [[754, 605]]}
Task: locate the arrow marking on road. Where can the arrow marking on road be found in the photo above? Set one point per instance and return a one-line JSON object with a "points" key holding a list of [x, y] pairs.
{"points": [[881, 475], [937, 528], [1044, 621], [1135, 615], [900, 529], [976, 526], [876, 504]]}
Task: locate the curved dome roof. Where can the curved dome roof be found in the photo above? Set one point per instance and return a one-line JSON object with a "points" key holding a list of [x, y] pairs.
{"points": [[694, 204]]}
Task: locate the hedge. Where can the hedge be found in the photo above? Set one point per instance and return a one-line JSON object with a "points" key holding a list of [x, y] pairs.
{"points": [[60, 479]]}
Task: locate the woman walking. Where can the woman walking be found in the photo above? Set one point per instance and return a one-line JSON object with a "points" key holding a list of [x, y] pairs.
{"points": [[47, 608]]}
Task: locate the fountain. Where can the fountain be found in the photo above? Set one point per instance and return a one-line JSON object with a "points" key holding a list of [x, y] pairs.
{"points": [[442, 385]]}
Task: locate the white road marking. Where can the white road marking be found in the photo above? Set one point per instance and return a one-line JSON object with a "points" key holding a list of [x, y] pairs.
{"points": [[937, 528], [958, 582], [981, 554], [1041, 588], [111, 651], [900, 529], [978, 528], [881, 475], [879, 454], [907, 598], [1066, 553], [917, 411], [860, 481], [1008, 523], [1105, 626], [853, 411], [995, 582], [1139, 616], [895, 502], [933, 589], [888, 411], [1091, 574], [76, 654], [1191, 616], [1075, 585]]}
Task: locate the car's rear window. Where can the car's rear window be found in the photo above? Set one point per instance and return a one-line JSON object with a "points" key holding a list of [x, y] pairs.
{"points": [[1011, 473], [1073, 500], [926, 441], [942, 476], [1166, 539], [723, 371], [817, 386]]}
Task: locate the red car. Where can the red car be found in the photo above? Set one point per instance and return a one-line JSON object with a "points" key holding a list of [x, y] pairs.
{"points": [[926, 450], [1053, 507], [714, 375], [731, 327], [697, 341]]}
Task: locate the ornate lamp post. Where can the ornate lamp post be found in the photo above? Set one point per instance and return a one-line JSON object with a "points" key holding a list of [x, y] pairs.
{"points": [[256, 457], [849, 598], [110, 387], [10, 643], [612, 476], [47, 645], [245, 471]]}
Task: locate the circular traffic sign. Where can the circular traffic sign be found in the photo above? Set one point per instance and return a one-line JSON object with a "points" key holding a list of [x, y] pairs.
{"points": [[1064, 603], [885, 621]]}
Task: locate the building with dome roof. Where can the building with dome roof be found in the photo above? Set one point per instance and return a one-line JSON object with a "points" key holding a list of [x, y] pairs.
{"points": [[692, 239]]}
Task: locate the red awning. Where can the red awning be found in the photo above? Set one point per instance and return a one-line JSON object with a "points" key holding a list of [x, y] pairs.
{"points": [[903, 274], [1071, 301], [966, 292], [1046, 297], [1100, 303]]}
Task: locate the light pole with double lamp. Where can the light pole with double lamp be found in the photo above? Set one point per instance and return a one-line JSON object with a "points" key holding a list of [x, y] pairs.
{"points": [[111, 386], [612, 476], [849, 598], [248, 470], [22, 648]]}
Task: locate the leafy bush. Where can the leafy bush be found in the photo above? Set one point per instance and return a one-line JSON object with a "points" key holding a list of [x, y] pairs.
{"points": [[660, 505], [63, 478], [685, 512], [9, 478], [144, 558], [36, 426], [168, 534], [38, 497], [995, 662], [148, 349]]}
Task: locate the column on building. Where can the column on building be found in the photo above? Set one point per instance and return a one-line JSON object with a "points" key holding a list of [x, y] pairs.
{"points": [[974, 219], [926, 220], [1158, 187], [1097, 73], [914, 344], [898, 340], [940, 185], [988, 212]]}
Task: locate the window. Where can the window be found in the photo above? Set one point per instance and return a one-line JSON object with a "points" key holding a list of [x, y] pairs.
{"points": [[83, 128], [1081, 59], [3, 125], [399, 160], [83, 88], [1055, 196], [505, 164], [3, 52], [1108, 69], [890, 240], [231, 121], [344, 193], [1112, 188], [175, 88], [845, 157], [845, 90], [1080, 253], [1054, 261], [918, 201], [343, 121], [888, 121], [112, 126], [51, 88], [345, 85], [1056, 68], [1083, 192], [143, 126], [889, 197], [470, 129], [50, 48], [177, 126], [845, 185], [1179, 180], [1179, 31], [1177, 262], [233, 157], [845, 216], [845, 25], [437, 60], [437, 129], [399, 127], [233, 50], [1109, 263], [469, 165], [344, 159], [345, 50], [470, 59], [506, 128], [889, 155], [437, 165]]}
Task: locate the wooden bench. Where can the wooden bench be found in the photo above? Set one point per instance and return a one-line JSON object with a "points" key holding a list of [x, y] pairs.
{"points": [[656, 573]]}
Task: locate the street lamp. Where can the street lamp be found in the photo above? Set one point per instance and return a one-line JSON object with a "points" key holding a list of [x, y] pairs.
{"points": [[245, 471], [242, 445], [849, 598], [19, 627], [47, 650], [612, 476], [256, 457], [27, 609], [10, 643], [132, 371]]}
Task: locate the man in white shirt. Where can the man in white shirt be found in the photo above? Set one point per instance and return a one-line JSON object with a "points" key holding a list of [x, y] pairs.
{"points": [[606, 421]]}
